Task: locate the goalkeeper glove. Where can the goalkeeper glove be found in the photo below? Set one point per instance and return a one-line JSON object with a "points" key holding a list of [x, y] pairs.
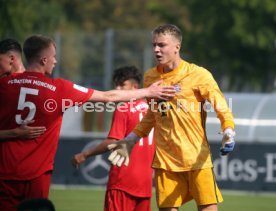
{"points": [[228, 142], [122, 149]]}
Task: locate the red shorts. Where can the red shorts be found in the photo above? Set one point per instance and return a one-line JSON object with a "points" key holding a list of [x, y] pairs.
{"points": [[14, 191], [119, 200]]}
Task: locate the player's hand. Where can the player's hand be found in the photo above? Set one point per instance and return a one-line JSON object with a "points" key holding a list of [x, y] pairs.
{"points": [[228, 142], [28, 132], [161, 92], [121, 152], [77, 159]]}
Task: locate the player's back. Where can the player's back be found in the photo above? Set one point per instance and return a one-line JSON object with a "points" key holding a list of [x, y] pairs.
{"points": [[29, 96], [33, 96]]}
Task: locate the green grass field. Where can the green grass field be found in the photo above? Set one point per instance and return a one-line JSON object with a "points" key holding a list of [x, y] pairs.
{"points": [[73, 199]]}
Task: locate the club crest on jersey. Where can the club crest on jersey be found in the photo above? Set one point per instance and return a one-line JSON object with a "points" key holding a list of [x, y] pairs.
{"points": [[177, 88], [80, 88]]}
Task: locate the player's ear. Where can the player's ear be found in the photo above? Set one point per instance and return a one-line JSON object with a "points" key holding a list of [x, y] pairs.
{"points": [[178, 47], [136, 86], [12, 58], [43, 60]]}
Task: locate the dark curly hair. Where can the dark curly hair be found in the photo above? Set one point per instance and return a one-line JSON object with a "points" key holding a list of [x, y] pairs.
{"points": [[126, 73]]}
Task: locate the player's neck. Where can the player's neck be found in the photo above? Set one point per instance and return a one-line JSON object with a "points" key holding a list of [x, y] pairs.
{"points": [[20, 68], [35, 68], [171, 65]]}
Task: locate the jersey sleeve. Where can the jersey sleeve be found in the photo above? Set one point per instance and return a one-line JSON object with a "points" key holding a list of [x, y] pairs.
{"points": [[75, 94], [147, 123], [211, 92]]}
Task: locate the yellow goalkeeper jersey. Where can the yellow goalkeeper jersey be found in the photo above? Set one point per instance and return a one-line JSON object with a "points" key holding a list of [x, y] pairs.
{"points": [[180, 138]]}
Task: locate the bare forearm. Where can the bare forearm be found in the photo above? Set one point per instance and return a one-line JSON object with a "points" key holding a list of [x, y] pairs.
{"points": [[23, 131], [81, 157], [155, 90], [7, 134], [118, 95], [127, 95], [99, 149]]}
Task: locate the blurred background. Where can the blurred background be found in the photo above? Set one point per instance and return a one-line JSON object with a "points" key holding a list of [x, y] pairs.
{"points": [[234, 39]]}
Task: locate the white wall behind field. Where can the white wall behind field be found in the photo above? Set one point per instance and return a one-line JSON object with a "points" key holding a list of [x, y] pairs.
{"points": [[72, 122]]}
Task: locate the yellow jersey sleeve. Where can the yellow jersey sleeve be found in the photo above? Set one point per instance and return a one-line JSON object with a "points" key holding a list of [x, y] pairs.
{"points": [[145, 125], [210, 91]]}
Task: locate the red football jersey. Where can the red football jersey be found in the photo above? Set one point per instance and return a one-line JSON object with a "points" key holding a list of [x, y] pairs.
{"points": [[34, 96], [136, 178]]}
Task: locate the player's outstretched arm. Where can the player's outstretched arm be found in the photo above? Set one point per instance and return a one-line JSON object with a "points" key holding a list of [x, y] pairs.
{"points": [[228, 142], [23, 131], [122, 150], [79, 158], [155, 90]]}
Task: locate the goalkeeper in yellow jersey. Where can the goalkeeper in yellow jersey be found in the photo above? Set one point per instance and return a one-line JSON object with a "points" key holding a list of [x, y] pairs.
{"points": [[182, 162]]}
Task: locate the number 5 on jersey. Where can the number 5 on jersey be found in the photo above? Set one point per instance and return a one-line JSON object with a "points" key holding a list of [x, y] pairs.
{"points": [[22, 103]]}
